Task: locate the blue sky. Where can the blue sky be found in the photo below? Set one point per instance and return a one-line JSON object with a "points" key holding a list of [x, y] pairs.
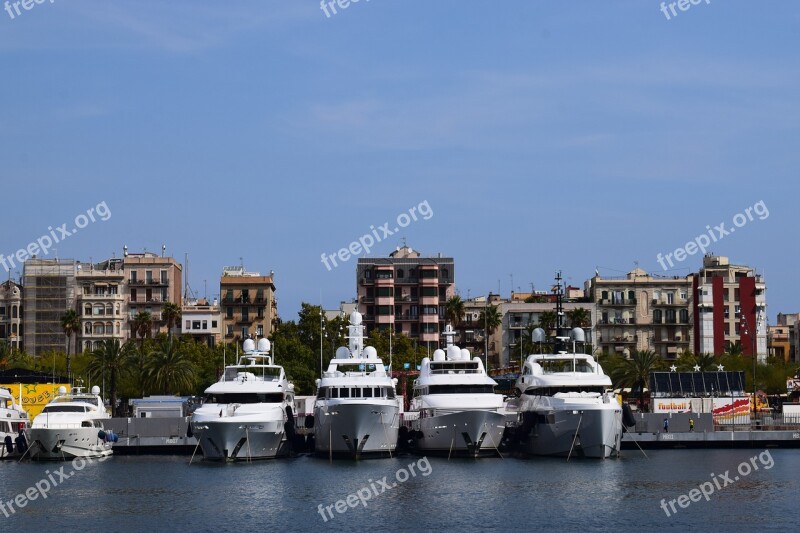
{"points": [[543, 135]]}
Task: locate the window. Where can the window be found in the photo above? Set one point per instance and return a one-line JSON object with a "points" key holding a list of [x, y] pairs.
{"points": [[213, 324], [414, 311], [245, 314], [670, 297], [2, 310], [657, 316], [384, 274], [164, 277], [430, 310], [229, 312], [133, 278], [430, 291], [133, 295], [684, 294], [148, 276], [188, 324], [229, 295], [245, 332], [430, 328], [229, 331], [429, 274], [195, 324], [445, 274], [400, 273], [245, 296], [684, 316], [385, 291], [205, 324], [260, 295], [260, 331], [384, 310], [670, 316]]}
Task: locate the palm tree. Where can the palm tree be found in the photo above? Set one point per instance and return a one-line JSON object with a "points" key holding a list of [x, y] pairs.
{"points": [[454, 310], [547, 321], [142, 326], [579, 318], [491, 319], [71, 324], [733, 349], [109, 359], [169, 367], [635, 372], [171, 315]]}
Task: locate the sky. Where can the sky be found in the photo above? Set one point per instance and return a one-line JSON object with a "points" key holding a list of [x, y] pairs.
{"points": [[534, 137]]}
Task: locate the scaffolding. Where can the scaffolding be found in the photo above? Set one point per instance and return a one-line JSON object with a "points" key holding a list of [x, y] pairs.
{"points": [[49, 290]]}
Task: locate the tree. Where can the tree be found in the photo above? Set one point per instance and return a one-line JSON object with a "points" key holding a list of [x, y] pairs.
{"points": [[71, 324], [548, 321], [733, 349], [454, 310], [635, 372], [142, 326], [490, 318], [579, 318], [110, 359], [171, 316], [169, 368]]}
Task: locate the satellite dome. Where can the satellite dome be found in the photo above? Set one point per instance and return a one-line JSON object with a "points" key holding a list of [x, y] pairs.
{"points": [[453, 353], [263, 345], [370, 352], [465, 355], [62, 389], [249, 345], [438, 355], [355, 318], [578, 335], [95, 390], [342, 353]]}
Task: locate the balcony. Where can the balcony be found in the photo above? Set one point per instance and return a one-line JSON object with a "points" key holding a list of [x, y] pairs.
{"points": [[617, 322], [678, 302], [618, 302], [618, 339], [676, 340]]}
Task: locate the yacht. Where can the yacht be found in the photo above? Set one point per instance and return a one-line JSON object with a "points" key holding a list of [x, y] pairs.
{"points": [[455, 410], [13, 423], [247, 414], [70, 426], [565, 404], [357, 412]]}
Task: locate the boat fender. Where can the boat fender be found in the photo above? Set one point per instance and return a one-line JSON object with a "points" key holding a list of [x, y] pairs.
{"points": [[627, 416], [9, 444], [309, 422], [101, 435], [111, 436], [22, 443]]}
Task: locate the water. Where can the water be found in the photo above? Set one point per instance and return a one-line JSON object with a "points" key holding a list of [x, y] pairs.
{"points": [[151, 493]]}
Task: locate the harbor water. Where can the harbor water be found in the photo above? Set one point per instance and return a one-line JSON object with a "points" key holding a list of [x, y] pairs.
{"points": [[155, 493]]}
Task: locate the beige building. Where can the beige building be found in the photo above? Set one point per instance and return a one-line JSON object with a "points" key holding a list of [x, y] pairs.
{"points": [[641, 311], [407, 292], [151, 280], [202, 321], [792, 322], [11, 314], [102, 305], [248, 304]]}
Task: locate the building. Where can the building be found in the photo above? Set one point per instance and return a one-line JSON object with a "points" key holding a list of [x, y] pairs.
{"points": [[11, 314], [344, 311], [202, 321], [151, 281], [730, 305], [792, 322], [642, 311], [778, 344], [49, 290], [472, 332], [102, 305], [248, 304], [406, 292]]}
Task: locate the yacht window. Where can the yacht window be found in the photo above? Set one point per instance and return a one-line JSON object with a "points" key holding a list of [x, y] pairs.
{"points": [[355, 392], [64, 409], [389, 392], [86, 424], [245, 397], [367, 392], [334, 392], [461, 389], [344, 392], [323, 391]]}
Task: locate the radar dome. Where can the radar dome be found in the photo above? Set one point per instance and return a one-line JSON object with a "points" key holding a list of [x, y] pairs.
{"points": [[249, 345], [453, 353], [263, 345], [577, 335], [465, 355], [95, 390], [538, 335], [438, 355], [342, 353], [62, 389], [355, 318], [370, 352]]}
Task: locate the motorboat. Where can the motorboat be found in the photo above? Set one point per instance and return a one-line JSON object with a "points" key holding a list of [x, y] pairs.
{"points": [[13, 423], [455, 411], [248, 413], [356, 412], [71, 426]]}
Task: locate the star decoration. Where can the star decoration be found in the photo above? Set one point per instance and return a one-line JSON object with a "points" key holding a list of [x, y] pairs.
{"points": [[721, 368], [673, 368], [697, 368]]}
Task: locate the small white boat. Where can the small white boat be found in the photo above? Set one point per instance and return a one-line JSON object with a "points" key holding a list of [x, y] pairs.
{"points": [[357, 412], [247, 414], [13, 422], [71, 426]]}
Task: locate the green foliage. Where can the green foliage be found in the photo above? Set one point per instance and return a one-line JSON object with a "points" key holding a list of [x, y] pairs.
{"points": [[491, 318], [454, 310], [579, 318], [635, 372]]}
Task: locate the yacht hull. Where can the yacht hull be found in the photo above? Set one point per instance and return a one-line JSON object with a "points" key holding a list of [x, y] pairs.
{"points": [[355, 429], [461, 433], [582, 432], [241, 440], [65, 444]]}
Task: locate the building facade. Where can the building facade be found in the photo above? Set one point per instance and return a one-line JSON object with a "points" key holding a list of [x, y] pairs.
{"points": [[151, 280], [102, 305], [730, 308], [48, 291], [248, 304], [11, 314], [642, 311], [791, 321], [406, 292], [202, 321]]}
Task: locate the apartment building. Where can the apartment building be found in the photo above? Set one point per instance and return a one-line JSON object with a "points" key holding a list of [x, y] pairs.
{"points": [[101, 299], [202, 321], [406, 292], [151, 281], [11, 314], [248, 304], [792, 322], [730, 307], [643, 311]]}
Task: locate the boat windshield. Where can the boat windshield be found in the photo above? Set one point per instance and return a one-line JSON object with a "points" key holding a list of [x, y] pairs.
{"points": [[245, 397], [552, 391], [267, 373], [455, 367], [557, 366], [64, 409], [459, 389], [91, 400]]}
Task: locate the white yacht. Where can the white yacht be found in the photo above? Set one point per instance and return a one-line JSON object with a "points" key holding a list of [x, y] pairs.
{"points": [[455, 410], [13, 419], [70, 426], [565, 404], [357, 412], [247, 414]]}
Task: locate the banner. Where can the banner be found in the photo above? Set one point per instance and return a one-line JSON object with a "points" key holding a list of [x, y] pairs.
{"points": [[34, 397]]}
